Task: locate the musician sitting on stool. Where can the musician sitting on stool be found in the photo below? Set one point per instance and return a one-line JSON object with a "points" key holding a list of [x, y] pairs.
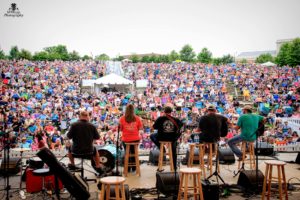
{"points": [[212, 126], [83, 134]]}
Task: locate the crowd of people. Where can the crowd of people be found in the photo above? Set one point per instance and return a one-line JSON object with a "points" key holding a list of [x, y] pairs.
{"points": [[40, 100]]}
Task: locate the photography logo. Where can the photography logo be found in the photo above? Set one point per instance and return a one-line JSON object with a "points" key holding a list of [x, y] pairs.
{"points": [[13, 11]]}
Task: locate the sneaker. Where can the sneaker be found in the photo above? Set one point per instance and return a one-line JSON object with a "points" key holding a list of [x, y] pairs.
{"points": [[160, 170]]}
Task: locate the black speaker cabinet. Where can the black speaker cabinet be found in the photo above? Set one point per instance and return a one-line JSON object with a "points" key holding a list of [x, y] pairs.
{"points": [[113, 195], [12, 167], [265, 149], [226, 156], [153, 157], [210, 190], [187, 156], [247, 180], [167, 182], [298, 158]]}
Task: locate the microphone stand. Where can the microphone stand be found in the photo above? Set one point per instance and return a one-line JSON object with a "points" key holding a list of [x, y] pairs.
{"points": [[117, 151]]}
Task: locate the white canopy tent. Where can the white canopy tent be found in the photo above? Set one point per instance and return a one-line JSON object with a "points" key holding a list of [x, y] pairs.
{"points": [[113, 81], [268, 64]]}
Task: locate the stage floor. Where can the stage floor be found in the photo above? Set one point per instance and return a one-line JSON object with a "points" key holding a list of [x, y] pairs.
{"points": [[147, 179]]}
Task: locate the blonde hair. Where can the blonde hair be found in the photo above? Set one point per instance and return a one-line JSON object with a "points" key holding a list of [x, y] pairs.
{"points": [[129, 114]]}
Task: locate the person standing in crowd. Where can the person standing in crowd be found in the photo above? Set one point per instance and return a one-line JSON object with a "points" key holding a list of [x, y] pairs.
{"points": [[212, 126], [130, 125], [168, 129], [248, 123], [83, 133]]}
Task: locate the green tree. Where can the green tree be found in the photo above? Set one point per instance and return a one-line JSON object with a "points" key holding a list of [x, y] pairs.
{"points": [[145, 59], [187, 54], [264, 58], [14, 53], [204, 56], [2, 55], [295, 52], [134, 58], [217, 61], [74, 55], [118, 58], [25, 54], [173, 56], [244, 61], [102, 57], [86, 57], [163, 59], [227, 59], [58, 52], [42, 55], [284, 55]]}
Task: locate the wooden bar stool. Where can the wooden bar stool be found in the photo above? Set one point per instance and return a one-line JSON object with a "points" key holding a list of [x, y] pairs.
{"points": [[251, 154], [184, 183], [200, 155], [118, 182], [169, 153], [212, 151], [280, 178], [129, 155]]}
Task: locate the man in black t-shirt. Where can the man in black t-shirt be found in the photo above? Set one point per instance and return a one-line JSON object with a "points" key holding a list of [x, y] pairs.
{"points": [[212, 126], [168, 129], [83, 134]]}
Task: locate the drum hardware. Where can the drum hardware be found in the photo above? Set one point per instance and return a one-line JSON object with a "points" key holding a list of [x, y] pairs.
{"points": [[21, 150]]}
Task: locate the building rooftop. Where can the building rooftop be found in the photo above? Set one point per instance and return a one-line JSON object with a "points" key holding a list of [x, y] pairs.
{"points": [[254, 54]]}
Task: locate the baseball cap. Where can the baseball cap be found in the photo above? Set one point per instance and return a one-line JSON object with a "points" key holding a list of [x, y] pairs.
{"points": [[211, 107], [247, 107]]}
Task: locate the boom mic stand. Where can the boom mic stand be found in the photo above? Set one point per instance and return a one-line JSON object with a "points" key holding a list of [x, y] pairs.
{"points": [[216, 173], [6, 149]]}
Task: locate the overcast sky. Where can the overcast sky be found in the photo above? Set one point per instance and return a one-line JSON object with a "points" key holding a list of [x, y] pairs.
{"points": [[144, 26]]}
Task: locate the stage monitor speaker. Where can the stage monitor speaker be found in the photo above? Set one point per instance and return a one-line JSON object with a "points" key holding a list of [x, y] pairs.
{"points": [[153, 157], [113, 195], [187, 156], [167, 182], [12, 167], [76, 187], [247, 180], [265, 149], [298, 158], [210, 190], [226, 156]]}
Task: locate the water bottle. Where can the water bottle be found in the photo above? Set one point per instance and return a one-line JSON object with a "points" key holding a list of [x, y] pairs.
{"points": [[196, 138]]}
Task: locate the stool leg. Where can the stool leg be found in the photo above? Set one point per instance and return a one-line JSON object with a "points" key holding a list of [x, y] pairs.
{"points": [[137, 161], [191, 157], [161, 156], [102, 191], [201, 159], [265, 183], [171, 157], [186, 186], [126, 160], [243, 154], [270, 181], [200, 188], [123, 192], [284, 182], [210, 159], [195, 185], [279, 182], [108, 192], [117, 192], [180, 187]]}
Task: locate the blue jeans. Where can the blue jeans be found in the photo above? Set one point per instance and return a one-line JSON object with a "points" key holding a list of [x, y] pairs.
{"points": [[232, 144]]}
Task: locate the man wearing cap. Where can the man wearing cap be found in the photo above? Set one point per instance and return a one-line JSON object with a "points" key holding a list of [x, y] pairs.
{"points": [[212, 126], [168, 129], [83, 134], [248, 123]]}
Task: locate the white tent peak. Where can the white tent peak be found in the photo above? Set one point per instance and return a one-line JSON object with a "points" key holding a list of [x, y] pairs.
{"points": [[113, 79], [268, 64]]}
